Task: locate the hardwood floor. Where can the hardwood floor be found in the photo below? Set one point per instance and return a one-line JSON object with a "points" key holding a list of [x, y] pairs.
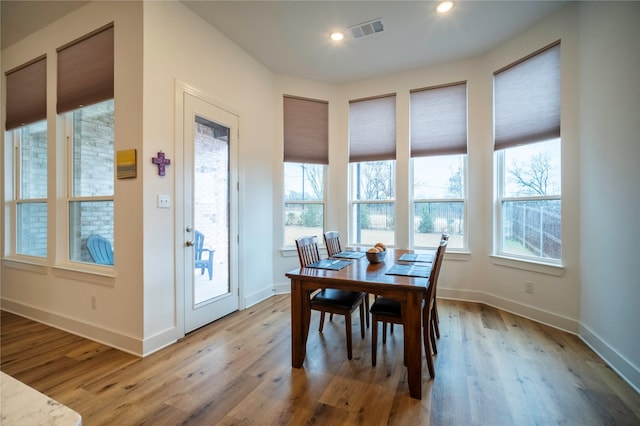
{"points": [[492, 368]]}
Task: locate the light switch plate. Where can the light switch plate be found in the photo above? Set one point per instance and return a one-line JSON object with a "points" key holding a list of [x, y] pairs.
{"points": [[164, 201]]}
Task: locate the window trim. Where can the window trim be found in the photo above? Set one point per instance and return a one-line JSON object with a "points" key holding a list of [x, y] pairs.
{"points": [[511, 259], [464, 200], [353, 202], [68, 264], [323, 202]]}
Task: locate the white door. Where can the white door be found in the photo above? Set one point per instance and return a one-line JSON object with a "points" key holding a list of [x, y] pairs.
{"points": [[210, 210]]}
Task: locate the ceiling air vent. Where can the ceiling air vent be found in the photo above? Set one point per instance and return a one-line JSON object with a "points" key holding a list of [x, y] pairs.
{"points": [[367, 28]]}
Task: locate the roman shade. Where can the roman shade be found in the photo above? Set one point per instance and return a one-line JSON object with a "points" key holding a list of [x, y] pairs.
{"points": [[26, 93], [527, 99], [439, 120], [306, 130], [372, 129], [86, 70]]}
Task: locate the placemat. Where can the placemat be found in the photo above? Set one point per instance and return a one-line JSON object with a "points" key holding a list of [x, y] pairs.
{"points": [[410, 270], [349, 254], [334, 265], [413, 257]]}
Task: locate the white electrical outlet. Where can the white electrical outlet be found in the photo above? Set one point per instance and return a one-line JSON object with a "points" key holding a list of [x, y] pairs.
{"points": [[528, 287]]}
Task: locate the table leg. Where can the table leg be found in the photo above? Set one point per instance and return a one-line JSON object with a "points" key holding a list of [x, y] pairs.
{"points": [[412, 327], [300, 318]]}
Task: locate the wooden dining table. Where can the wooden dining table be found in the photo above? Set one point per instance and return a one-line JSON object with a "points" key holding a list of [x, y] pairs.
{"points": [[371, 278]]}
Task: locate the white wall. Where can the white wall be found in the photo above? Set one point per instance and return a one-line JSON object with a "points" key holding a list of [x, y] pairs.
{"points": [[180, 46], [610, 179], [57, 292]]}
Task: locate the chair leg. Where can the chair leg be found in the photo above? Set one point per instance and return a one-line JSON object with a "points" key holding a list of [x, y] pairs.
{"points": [[435, 319], [347, 322], [384, 333], [366, 305], [321, 321], [374, 339], [210, 269], [362, 320], [434, 345], [428, 338]]}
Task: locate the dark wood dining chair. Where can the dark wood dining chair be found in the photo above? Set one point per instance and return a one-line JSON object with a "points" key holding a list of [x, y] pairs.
{"points": [[334, 301], [389, 311], [332, 242], [434, 314]]}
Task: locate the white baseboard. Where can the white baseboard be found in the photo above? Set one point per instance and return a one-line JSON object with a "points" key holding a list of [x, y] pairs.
{"points": [[526, 311], [618, 363], [107, 337], [258, 296]]}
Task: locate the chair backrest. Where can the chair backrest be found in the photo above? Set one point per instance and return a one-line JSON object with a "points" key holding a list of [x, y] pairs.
{"points": [[198, 244], [100, 249], [307, 250], [435, 269], [332, 241]]}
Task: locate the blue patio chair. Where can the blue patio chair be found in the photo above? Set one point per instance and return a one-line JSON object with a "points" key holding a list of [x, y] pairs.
{"points": [[100, 249], [199, 250]]}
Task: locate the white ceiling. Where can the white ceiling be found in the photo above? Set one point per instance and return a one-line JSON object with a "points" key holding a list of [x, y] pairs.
{"points": [[292, 37]]}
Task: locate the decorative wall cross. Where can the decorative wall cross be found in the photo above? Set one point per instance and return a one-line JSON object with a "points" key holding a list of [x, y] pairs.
{"points": [[161, 162]]}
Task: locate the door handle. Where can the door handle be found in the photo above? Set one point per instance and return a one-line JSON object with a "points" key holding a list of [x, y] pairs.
{"points": [[189, 243]]}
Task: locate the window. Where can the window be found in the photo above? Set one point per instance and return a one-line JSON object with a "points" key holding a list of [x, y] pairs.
{"points": [[528, 157], [27, 163], [306, 142], [439, 151], [31, 192], [372, 154], [90, 132], [85, 93], [304, 200]]}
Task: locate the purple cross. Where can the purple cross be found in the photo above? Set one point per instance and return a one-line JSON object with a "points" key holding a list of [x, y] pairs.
{"points": [[161, 162]]}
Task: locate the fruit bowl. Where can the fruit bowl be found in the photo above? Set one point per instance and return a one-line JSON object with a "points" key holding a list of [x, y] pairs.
{"points": [[377, 257]]}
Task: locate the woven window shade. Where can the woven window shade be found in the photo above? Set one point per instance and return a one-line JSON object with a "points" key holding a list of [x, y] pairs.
{"points": [[85, 70], [372, 129], [306, 130], [27, 94], [527, 99], [439, 120]]}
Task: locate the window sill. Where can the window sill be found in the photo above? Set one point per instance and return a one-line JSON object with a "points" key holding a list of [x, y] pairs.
{"points": [[528, 265], [96, 275], [26, 265]]}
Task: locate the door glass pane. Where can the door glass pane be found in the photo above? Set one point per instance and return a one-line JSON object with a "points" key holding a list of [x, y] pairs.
{"points": [[211, 210]]}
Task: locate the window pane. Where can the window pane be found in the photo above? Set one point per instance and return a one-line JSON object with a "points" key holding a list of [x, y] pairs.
{"points": [[532, 228], [86, 218], [302, 220], [33, 161], [433, 219], [438, 177], [374, 223], [93, 150], [532, 170], [303, 182], [374, 180], [32, 229]]}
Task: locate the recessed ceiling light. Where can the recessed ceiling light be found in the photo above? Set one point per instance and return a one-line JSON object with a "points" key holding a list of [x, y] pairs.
{"points": [[337, 36], [444, 6]]}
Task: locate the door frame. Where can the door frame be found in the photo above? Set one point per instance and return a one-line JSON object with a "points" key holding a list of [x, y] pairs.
{"points": [[182, 89]]}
